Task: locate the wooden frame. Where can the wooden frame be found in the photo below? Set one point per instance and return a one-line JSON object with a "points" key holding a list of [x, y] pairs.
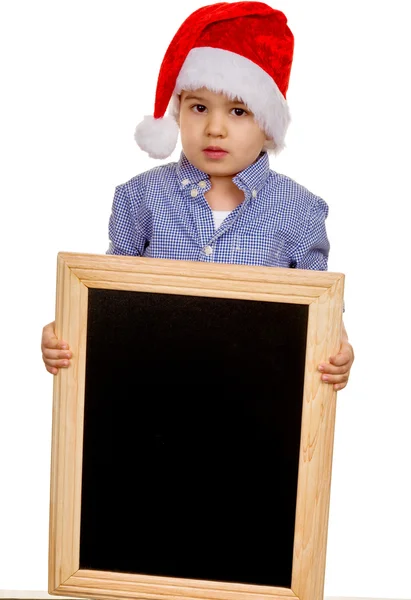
{"points": [[321, 291]]}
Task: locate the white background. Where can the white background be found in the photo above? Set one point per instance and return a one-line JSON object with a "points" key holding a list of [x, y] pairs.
{"points": [[76, 78]]}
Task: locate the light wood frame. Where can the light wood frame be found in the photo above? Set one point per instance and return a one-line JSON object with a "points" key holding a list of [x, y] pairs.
{"points": [[321, 291]]}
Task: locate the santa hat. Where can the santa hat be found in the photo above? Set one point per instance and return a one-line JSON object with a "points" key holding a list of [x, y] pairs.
{"points": [[241, 49]]}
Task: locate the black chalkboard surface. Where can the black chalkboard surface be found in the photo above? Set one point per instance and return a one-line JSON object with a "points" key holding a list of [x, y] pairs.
{"points": [[192, 435]]}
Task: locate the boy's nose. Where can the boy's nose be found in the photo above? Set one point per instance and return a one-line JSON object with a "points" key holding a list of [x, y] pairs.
{"points": [[216, 125]]}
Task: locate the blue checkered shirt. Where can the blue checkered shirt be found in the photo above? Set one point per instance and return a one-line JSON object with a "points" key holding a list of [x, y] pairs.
{"points": [[163, 213]]}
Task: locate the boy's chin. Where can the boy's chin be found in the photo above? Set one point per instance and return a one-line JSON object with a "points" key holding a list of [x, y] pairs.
{"points": [[220, 166]]}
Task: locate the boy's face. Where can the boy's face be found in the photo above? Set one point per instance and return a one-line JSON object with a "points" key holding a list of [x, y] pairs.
{"points": [[212, 120]]}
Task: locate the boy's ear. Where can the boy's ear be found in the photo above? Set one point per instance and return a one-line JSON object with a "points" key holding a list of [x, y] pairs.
{"points": [[269, 143]]}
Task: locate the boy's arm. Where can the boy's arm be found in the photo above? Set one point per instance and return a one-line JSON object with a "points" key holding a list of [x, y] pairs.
{"points": [[337, 370], [312, 253], [126, 238], [125, 232], [313, 247]]}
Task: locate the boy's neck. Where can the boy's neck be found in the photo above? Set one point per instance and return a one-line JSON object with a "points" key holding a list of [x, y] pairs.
{"points": [[223, 184], [224, 194]]}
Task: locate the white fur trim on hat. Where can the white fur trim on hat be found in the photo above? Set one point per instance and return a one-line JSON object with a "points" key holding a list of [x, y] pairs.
{"points": [[157, 137], [222, 71]]}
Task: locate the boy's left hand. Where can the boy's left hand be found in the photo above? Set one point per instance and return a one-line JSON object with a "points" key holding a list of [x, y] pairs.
{"points": [[337, 371]]}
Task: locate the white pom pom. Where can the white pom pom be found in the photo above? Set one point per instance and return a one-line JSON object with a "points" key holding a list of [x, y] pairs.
{"points": [[157, 137]]}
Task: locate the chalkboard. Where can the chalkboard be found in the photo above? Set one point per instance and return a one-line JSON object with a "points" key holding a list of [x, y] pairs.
{"points": [[193, 411], [187, 428]]}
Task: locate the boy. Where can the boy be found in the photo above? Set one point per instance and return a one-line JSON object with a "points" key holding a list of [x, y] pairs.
{"points": [[226, 74]]}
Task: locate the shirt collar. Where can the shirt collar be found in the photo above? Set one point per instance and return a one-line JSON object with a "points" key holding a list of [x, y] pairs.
{"points": [[252, 178], [188, 173], [255, 176]]}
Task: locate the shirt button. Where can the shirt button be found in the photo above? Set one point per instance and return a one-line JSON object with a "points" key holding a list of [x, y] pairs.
{"points": [[208, 250], [254, 193], [185, 181], [202, 184], [194, 193]]}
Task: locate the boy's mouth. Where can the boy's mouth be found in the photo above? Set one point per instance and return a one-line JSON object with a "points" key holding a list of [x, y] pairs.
{"points": [[215, 152]]}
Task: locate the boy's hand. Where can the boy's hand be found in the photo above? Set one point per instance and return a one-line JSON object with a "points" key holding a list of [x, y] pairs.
{"points": [[337, 371], [56, 353]]}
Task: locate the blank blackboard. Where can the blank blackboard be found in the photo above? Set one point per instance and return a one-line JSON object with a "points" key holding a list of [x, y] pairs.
{"points": [[191, 436]]}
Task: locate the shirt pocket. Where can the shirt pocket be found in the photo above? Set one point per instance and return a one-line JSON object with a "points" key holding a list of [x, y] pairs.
{"points": [[267, 250]]}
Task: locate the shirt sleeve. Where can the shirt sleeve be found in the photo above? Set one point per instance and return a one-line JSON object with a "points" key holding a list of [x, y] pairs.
{"points": [[313, 249], [125, 236]]}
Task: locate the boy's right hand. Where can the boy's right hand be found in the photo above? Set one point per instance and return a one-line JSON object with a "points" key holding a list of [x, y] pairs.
{"points": [[56, 353]]}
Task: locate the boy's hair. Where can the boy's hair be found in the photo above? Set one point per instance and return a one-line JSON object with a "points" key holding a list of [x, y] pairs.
{"points": [[241, 49]]}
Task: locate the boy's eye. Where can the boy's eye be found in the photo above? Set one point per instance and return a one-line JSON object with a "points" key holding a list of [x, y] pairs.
{"points": [[239, 112], [199, 108]]}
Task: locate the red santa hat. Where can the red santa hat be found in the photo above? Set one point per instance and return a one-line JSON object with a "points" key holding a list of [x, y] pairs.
{"points": [[242, 49]]}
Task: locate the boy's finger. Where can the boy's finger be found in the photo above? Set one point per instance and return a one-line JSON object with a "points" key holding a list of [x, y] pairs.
{"points": [[333, 369], [52, 370], [56, 354], [328, 378], [340, 386], [50, 340], [340, 359], [61, 363], [53, 343]]}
